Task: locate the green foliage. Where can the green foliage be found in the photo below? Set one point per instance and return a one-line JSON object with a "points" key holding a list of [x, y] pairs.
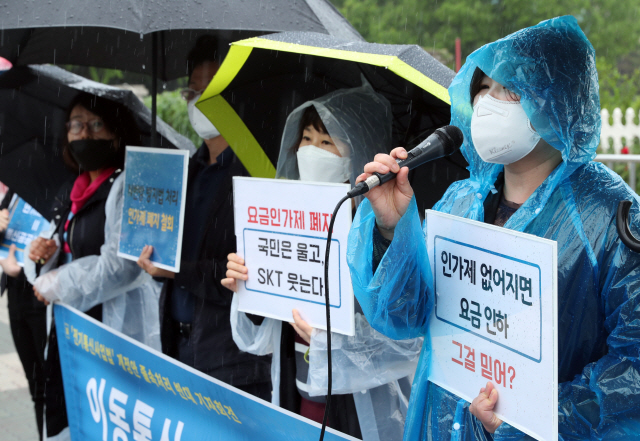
{"points": [[172, 109], [105, 76], [618, 89], [612, 26]]}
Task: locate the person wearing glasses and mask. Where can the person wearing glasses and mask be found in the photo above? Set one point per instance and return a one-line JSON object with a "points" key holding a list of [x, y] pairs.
{"points": [[79, 266], [194, 306]]}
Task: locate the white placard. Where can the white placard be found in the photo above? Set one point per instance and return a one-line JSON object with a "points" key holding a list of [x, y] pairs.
{"points": [[495, 319], [281, 231]]}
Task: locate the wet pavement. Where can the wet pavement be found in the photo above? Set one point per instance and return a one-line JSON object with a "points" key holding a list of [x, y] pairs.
{"points": [[17, 419]]}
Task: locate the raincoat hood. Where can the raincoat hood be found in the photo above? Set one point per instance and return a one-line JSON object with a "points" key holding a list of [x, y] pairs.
{"points": [[357, 119], [559, 94]]}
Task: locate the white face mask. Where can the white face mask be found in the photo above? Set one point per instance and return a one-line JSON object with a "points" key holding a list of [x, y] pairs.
{"points": [[318, 165], [501, 131], [200, 123]]}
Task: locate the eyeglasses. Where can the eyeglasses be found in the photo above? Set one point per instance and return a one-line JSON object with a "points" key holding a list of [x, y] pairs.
{"points": [[188, 94], [76, 127]]}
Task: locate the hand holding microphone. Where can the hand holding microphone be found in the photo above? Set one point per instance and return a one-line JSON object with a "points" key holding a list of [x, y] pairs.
{"points": [[390, 200], [390, 197]]}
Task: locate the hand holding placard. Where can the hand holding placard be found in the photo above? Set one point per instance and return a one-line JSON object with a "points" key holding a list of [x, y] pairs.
{"points": [[10, 264], [482, 407], [4, 219], [235, 271], [144, 262], [303, 328]]}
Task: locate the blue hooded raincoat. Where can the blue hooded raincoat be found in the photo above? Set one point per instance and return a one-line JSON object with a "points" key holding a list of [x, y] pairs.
{"points": [[552, 67]]}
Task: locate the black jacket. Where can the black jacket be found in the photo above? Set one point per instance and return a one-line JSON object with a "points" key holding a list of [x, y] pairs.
{"points": [[85, 237], [215, 352], [86, 229]]}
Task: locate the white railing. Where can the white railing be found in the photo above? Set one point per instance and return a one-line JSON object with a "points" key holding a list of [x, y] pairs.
{"points": [[617, 132]]}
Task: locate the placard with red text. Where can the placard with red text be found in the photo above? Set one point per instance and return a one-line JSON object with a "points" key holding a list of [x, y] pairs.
{"points": [[495, 319], [281, 229]]}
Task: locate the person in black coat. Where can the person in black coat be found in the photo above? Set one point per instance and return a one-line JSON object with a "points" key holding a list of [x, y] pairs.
{"points": [[27, 318], [97, 132], [194, 306]]}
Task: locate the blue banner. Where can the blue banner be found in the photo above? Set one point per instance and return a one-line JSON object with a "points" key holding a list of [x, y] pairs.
{"points": [[118, 389], [154, 198], [25, 225]]}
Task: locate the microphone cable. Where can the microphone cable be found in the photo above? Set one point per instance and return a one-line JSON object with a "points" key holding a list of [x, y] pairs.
{"points": [[326, 300]]}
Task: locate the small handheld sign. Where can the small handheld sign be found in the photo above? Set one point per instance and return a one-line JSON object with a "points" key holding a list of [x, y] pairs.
{"points": [[281, 230], [25, 225], [495, 319], [154, 203]]}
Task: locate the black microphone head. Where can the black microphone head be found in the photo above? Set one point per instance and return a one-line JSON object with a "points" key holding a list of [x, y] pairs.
{"points": [[451, 137]]}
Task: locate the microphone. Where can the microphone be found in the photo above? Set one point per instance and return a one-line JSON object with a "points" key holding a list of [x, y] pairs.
{"points": [[443, 142]]}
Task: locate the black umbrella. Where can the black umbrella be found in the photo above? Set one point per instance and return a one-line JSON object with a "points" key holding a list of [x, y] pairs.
{"points": [[263, 79], [150, 37], [33, 106]]}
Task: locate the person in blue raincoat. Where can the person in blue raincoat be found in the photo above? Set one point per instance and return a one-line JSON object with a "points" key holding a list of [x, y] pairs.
{"points": [[528, 106]]}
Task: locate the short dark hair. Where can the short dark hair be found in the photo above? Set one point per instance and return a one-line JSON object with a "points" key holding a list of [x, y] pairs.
{"points": [[310, 117], [476, 85], [117, 118], [205, 49]]}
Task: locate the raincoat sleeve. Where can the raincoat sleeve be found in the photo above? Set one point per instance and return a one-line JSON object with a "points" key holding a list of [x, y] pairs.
{"points": [[396, 299], [364, 361], [92, 280], [262, 339], [603, 402], [252, 338]]}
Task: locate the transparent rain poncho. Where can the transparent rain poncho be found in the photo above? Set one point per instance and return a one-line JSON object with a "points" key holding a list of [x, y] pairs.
{"points": [[129, 296], [357, 119], [552, 67], [372, 367]]}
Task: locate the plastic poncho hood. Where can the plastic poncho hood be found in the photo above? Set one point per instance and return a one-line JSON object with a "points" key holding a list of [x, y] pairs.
{"points": [[559, 94], [357, 119]]}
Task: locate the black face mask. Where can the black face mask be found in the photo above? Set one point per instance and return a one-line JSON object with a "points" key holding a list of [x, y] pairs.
{"points": [[94, 154]]}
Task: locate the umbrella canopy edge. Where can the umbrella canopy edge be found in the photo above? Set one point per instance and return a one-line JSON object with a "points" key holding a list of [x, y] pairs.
{"points": [[233, 129], [239, 137], [230, 125], [391, 62]]}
